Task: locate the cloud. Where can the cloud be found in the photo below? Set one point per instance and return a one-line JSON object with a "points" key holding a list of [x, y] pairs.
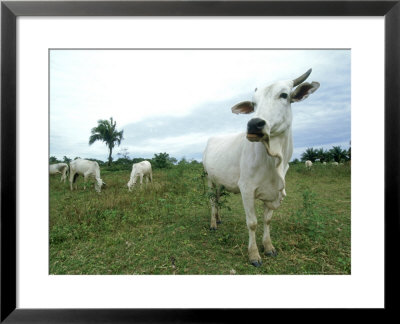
{"points": [[173, 101]]}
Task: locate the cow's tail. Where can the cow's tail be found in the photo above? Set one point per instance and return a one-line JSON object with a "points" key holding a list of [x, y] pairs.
{"points": [[204, 177]]}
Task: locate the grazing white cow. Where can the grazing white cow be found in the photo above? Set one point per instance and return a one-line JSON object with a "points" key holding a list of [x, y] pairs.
{"points": [[140, 170], [308, 164], [324, 163], [59, 168], [86, 169], [255, 163], [335, 163]]}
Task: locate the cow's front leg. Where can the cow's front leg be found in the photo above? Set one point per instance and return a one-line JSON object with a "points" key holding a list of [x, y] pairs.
{"points": [[269, 249], [251, 221], [84, 181]]}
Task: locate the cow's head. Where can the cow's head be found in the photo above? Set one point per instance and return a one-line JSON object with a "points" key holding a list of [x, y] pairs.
{"points": [[98, 184], [272, 107], [130, 184]]}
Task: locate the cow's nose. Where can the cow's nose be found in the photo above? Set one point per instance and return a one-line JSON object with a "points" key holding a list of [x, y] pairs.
{"points": [[255, 125]]}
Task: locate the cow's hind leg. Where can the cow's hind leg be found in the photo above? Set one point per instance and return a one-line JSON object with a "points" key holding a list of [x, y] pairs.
{"points": [[269, 249], [65, 174], [251, 221], [72, 179], [214, 205]]}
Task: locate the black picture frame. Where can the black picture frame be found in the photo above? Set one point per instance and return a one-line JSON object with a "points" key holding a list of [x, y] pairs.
{"points": [[10, 10]]}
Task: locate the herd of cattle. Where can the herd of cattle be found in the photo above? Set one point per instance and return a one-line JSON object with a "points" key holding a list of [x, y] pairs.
{"points": [[91, 169], [253, 163], [309, 164]]}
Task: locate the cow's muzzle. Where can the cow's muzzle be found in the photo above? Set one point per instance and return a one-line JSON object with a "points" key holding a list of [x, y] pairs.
{"points": [[255, 129]]}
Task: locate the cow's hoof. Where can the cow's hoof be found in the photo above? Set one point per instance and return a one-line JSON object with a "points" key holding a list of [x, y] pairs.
{"points": [[256, 263], [213, 228], [272, 253], [219, 222]]}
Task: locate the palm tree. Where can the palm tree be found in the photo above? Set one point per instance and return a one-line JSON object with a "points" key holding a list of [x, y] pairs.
{"points": [[107, 133], [337, 153], [310, 154], [322, 155]]}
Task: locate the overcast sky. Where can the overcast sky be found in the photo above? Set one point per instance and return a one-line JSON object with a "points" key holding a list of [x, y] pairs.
{"points": [[174, 100]]}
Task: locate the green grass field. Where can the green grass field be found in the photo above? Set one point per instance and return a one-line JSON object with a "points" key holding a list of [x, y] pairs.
{"points": [[163, 227]]}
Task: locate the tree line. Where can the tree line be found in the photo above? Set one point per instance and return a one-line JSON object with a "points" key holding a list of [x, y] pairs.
{"points": [[335, 154], [106, 131]]}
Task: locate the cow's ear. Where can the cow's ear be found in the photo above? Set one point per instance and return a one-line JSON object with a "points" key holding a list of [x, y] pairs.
{"points": [[303, 91], [244, 107]]}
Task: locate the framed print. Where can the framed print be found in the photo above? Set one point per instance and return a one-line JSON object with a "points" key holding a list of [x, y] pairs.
{"points": [[156, 73]]}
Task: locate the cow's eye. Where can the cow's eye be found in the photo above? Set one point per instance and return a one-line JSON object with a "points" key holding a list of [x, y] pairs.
{"points": [[283, 95]]}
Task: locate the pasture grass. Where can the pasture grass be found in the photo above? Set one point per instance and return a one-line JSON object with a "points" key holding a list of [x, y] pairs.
{"points": [[163, 227]]}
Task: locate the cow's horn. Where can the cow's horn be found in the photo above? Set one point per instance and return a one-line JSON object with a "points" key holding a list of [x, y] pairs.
{"points": [[300, 79]]}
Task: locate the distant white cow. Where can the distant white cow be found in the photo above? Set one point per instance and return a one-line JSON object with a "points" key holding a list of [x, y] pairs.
{"points": [[59, 168], [86, 169], [324, 163], [335, 163], [141, 169], [255, 163], [308, 164]]}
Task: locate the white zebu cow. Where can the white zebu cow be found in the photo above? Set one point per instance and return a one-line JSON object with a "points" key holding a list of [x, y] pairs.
{"points": [[308, 164], [141, 169], [86, 169], [255, 163], [59, 168]]}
